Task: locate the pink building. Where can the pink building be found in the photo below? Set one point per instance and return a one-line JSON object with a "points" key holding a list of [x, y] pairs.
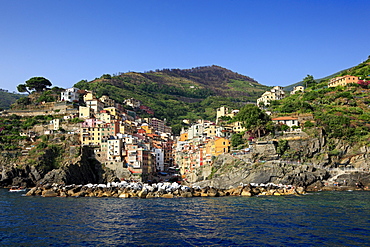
{"points": [[90, 122]]}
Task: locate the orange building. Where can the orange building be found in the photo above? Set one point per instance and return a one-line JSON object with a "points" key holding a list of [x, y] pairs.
{"points": [[183, 137], [221, 146], [342, 80]]}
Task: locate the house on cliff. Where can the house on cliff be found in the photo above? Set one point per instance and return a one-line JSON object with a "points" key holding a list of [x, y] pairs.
{"points": [[289, 121]]}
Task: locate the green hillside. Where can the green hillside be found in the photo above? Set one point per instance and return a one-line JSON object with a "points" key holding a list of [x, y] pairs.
{"points": [[176, 94], [362, 70], [301, 83], [8, 98], [343, 112]]}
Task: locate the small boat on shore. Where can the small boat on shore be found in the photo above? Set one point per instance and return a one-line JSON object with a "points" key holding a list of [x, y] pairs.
{"points": [[17, 189]]}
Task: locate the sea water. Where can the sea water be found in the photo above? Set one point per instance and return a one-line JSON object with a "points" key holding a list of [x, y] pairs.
{"points": [[314, 219]]}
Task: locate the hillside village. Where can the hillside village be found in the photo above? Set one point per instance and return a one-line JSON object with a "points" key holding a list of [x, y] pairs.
{"points": [[123, 141]]}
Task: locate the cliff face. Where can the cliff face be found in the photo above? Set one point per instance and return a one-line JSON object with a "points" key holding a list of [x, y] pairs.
{"points": [[228, 171], [318, 162], [64, 164]]}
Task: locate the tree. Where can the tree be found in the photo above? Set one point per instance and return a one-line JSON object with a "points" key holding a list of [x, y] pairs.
{"points": [[285, 127], [282, 147], [38, 84], [23, 101], [106, 76], [309, 80], [237, 139], [253, 118], [261, 104], [225, 118], [22, 88]]}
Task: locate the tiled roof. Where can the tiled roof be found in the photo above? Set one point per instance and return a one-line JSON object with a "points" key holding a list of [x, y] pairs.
{"points": [[284, 118]]}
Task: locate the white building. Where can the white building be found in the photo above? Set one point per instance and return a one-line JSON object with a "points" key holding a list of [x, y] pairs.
{"points": [[132, 102], [70, 94], [289, 121], [114, 152], [195, 131], [159, 158], [55, 123], [95, 104]]}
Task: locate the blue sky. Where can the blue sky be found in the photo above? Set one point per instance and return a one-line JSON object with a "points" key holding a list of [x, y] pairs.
{"points": [[276, 42]]}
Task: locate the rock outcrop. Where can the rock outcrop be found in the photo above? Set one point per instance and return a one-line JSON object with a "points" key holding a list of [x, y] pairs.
{"points": [[233, 171], [75, 166], [229, 171], [160, 190]]}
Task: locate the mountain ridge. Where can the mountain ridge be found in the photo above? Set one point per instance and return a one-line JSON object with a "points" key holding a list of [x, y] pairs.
{"points": [[8, 98]]}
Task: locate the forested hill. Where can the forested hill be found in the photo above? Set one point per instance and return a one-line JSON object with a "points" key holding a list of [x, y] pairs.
{"points": [[8, 98], [215, 79], [177, 94]]}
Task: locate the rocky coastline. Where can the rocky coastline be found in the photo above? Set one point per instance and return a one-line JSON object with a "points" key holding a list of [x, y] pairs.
{"points": [[160, 190]]}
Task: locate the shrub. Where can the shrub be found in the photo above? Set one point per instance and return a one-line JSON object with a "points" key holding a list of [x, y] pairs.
{"points": [[76, 120], [282, 147], [41, 145], [308, 124]]}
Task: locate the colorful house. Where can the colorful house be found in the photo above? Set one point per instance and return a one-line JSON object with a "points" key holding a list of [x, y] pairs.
{"points": [[221, 145], [342, 80]]}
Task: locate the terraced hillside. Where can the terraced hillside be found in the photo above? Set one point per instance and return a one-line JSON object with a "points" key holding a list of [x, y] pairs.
{"points": [[176, 94]]}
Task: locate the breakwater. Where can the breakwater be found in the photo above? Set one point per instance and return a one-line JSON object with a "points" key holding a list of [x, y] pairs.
{"points": [[164, 190]]}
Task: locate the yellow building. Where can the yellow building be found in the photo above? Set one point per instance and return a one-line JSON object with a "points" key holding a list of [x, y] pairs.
{"points": [[224, 112], [85, 112], [207, 151], [237, 127], [342, 80], [210, 131], [148, 129], [104, 116], [276, 93], [221, 146], [98, 134], [90, 136], [89, 96], [215, 147], [107, 101], [126, 127], [112, 110]]}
